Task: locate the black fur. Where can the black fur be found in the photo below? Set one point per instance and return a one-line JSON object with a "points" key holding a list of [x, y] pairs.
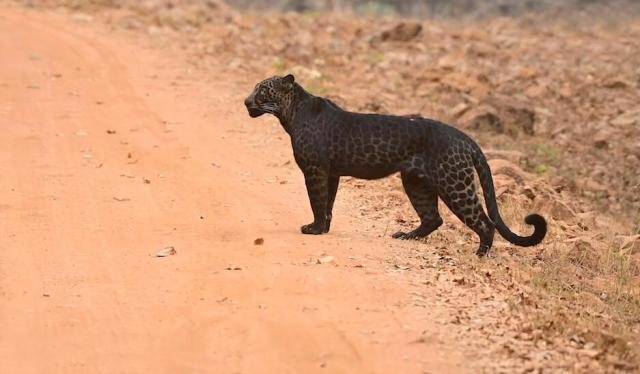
{"points": [[434, 160]]}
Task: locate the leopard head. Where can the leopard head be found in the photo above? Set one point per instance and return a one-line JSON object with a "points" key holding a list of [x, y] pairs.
{"points": [[273, 95]]}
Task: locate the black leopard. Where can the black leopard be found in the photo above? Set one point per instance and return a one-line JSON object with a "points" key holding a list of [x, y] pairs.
{"points": [[434, 160]]}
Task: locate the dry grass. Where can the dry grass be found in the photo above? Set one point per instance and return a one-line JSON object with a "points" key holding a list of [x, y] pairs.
{"points": [[576, 294], [584, 290]]}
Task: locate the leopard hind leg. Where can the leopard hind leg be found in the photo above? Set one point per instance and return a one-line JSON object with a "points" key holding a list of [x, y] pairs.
{"points": [[456, 187]]}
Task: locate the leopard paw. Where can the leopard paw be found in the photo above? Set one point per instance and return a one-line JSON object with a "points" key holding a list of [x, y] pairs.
{"points": [[313, 229]]}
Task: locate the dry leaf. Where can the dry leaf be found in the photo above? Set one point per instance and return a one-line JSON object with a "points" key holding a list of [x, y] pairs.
{"points": [[325, 259], [168, 251]]}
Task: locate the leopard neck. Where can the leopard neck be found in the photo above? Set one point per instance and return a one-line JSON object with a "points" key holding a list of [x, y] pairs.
{"points": [[290, 106]]}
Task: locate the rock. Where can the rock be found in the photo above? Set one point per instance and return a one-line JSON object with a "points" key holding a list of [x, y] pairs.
{"points": [[258, 241], [627, 119], [167, 251], [325, 259], [617, 84], [402, 32], [458, 110], [601, 139], [516, 115], [484, 118]]}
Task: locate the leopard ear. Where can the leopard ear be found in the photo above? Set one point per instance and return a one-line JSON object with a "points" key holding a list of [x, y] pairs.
{"points": [[288, 81]]}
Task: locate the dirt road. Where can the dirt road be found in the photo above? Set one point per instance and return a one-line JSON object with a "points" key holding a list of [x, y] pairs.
{"points": [[110, 151]]}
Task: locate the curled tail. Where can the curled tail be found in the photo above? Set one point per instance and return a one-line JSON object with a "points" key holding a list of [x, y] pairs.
{"points": [[486, 180]]}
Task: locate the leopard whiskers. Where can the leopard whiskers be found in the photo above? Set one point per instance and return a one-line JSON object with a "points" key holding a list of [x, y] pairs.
{"points": [[271, 108]]}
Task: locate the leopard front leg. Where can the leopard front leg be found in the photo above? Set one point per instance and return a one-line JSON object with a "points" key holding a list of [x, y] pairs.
{"points": [[331, 197], [316, 180]]}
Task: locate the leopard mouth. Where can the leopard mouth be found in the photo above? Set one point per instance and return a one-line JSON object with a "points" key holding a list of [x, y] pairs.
{"points": [[254, 112]]}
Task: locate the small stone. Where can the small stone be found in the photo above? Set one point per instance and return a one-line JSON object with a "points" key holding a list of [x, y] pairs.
{"points": [[325, 259], [167, 251], [459, 110], [402, 32]]}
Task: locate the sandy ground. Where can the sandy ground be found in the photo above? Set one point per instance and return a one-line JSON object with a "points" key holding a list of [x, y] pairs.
{"points": [[111, 151]]}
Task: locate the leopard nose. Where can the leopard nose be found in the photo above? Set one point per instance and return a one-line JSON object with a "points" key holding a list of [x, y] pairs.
{"points": [[247, 101]]}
